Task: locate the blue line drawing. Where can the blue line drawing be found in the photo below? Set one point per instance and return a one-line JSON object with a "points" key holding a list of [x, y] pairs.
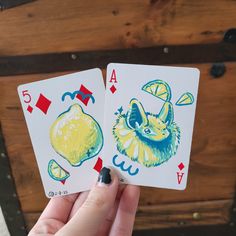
{"points": [[119, 111], [57, 172], [121, 166], [159, 89], [72, 95], [67, 141], [185, 99], [147, 138]]}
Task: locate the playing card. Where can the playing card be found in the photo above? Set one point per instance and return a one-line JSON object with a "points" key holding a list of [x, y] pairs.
{"points": [[64, 116], [148, 124]]}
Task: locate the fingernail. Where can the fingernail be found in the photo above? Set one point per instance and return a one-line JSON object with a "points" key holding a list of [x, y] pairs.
{"points": [[104, 176]]}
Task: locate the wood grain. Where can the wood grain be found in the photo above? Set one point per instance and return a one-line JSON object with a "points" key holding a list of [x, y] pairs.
{"points": [[183, 214], [58, 26], [213, 158], [171, 215], [158, 55]]}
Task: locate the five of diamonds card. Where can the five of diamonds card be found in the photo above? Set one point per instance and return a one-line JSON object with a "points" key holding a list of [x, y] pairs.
{"points": [[64, 116], [141, 126]]}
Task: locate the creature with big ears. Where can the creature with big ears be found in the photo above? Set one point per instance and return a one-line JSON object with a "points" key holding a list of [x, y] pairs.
{"points": [[150, 139]]}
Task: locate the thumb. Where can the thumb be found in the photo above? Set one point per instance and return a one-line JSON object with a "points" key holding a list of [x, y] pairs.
{"points": [[96, 207]]}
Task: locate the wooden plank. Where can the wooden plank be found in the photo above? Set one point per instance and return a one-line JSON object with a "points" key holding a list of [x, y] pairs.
{"points": [[209, 230], [212, 168], [171, 215], [60, 26], [183, 214], [55, 62]]}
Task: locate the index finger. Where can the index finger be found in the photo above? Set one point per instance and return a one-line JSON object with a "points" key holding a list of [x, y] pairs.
{"points": [[59, 208]]}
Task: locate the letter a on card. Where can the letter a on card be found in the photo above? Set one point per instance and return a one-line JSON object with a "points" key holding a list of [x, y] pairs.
{"points": [[113, 77], [180, 177]]}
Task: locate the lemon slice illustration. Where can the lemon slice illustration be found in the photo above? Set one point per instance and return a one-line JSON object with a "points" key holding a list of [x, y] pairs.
{"points": [[185, 99], [158, 88], [76, 136], [57, 172]]}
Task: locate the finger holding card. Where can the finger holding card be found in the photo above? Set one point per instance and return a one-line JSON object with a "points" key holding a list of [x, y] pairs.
{"points": [[64, 116], [148, 124]]}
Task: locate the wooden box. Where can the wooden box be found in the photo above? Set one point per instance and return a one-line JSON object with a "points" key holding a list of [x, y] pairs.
{"points": [[47, 38]]}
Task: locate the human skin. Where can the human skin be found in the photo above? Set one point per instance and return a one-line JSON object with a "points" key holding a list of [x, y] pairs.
{"points": [[107, 209]]}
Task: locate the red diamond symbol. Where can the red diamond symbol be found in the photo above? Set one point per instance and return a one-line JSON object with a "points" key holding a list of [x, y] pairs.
{"points": [[29, 109], [98, 165], [113, 89], [181, 166], [84, 95], [43, 103]]}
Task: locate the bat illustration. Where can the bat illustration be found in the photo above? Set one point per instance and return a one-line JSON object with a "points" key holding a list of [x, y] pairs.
{"points": [[147, 138]]}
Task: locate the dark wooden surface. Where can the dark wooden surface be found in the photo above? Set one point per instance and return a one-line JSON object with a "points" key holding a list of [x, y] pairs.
{"points": [[183, 32], [212, 168], [159, 55], [173, 215], [46, 26], [216, 230]]}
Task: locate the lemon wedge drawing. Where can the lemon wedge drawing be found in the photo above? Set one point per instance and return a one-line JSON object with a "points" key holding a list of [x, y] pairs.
{"points": [[185, 99], [158, 88], [57, 172], [76, 136]]}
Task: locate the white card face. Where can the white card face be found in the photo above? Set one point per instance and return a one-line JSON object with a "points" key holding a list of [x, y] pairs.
{"points": [[148, 124], [64, 116]]}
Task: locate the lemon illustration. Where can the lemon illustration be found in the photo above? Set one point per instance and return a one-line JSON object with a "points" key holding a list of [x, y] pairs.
{"points": [[158, 88], [76, 136], [185, 99], [56, 171]]}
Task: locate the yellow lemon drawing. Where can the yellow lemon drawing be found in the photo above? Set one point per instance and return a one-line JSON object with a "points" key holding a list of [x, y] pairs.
{"points": [[185, 99], [56, 171], [158, 88], [76, 136]]}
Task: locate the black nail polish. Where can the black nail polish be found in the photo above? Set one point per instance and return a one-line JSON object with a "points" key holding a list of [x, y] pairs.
{"points": [[104, 176]]}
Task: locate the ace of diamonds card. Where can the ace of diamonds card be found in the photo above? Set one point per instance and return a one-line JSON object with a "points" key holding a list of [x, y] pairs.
{"points": [[148, 124], [64, 116]]}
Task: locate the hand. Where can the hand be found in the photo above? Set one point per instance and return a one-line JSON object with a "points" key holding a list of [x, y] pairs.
{"points": [[108, 209]]}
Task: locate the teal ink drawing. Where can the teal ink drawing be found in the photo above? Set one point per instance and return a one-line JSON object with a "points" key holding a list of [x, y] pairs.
{"points": [[56, 172], [75, 93], [83, 94], [121, 166], [148, 138], [76, 136], [158, 88], [185, 99]]}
